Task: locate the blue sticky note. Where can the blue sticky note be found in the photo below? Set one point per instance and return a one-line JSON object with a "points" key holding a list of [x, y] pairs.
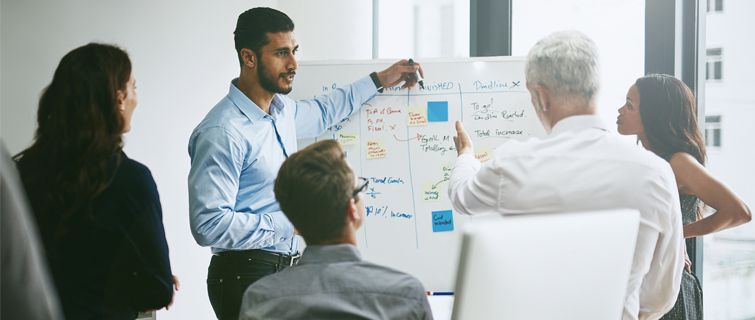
{"points": [[443, 220], [437, 110]]}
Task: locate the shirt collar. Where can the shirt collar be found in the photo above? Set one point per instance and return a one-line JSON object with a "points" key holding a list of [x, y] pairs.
{"points": [[577, 123], [330, 254], [277, 104], [248, 107]]}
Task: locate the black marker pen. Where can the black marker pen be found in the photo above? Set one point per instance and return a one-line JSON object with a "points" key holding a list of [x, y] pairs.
{"points": [[416, 73]]}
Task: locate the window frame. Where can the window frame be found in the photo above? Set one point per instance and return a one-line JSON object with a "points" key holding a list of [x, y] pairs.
{"points": [[489, 28], [685, 58], [714, 65], [711, 126]]}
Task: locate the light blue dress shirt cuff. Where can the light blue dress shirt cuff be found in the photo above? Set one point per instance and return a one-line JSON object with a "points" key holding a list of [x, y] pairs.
{"points": [[283, 231], [366, 87]]}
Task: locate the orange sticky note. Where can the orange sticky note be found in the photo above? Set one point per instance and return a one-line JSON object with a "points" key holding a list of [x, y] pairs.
{"points": [[483, 153], [416, 116], [376, 148]]}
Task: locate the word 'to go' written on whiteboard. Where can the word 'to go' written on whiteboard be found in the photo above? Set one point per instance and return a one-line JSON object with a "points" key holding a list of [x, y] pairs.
{"points": [[402, 141]]}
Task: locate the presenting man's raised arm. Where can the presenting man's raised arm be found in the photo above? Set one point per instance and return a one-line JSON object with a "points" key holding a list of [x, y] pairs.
{"points": [[315, 116]]}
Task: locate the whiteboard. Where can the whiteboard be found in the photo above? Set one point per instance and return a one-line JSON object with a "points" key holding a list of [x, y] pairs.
{"points": [[405, 163]]}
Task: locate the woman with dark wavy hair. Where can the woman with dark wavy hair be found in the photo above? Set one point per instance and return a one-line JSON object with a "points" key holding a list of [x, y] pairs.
{"points": [[661, 111], [98, 211]]}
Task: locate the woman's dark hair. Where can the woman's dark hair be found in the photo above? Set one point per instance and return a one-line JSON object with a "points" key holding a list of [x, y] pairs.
{"points": [[669, 115], [253, 26], [79, 130]]}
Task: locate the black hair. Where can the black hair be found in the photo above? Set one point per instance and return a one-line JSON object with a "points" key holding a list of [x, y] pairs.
{"points": [[253, 26], [669, 115]]}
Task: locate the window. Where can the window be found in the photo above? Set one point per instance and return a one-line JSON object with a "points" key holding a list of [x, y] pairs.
{"points": [[423, 29], [713, 131], [713, 65], [718, 5], [620, 49], [728, 275]]}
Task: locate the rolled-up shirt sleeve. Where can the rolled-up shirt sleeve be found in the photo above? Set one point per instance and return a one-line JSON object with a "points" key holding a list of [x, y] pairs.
{"points": [[217, 159], [474, 188], [315, 116]]}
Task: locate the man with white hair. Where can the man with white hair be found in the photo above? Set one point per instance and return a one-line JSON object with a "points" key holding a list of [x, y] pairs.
{"points": [[580, 166]]}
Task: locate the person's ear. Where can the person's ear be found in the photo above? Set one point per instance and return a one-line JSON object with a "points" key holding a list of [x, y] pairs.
{"points": [[248, 57], [544, 97], [121, 100], [352, 213]]}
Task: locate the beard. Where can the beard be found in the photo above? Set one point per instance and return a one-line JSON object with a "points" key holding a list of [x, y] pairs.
{"points": [[269, 81]]}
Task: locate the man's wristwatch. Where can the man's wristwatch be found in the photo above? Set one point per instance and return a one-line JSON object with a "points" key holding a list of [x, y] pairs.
{"points": [[376, 81]]}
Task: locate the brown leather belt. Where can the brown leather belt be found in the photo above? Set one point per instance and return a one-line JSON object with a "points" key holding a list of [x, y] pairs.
{"points": [[263, 255]]}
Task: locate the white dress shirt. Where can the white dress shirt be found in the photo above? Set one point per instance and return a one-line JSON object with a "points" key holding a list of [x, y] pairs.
{"points": [[582, 166]]}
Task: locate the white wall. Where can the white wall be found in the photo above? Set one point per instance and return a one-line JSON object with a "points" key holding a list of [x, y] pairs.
{"points": [[184, 58], [331, 29]]}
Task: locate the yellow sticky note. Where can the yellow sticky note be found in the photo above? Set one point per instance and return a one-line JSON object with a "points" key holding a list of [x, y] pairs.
{"points": [[376, 148], [483, 153], [416, 116], [347, 138], [432, 191], [446, 172]]}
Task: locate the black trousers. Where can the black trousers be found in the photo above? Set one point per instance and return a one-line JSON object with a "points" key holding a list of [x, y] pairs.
{"points": [[227, 279]]}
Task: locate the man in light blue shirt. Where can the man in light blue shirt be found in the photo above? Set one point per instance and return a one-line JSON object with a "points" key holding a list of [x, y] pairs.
{"points": [[237, 149]]}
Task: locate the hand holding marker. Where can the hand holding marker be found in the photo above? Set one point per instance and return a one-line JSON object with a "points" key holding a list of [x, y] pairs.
{"points": [[416, 74]]}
